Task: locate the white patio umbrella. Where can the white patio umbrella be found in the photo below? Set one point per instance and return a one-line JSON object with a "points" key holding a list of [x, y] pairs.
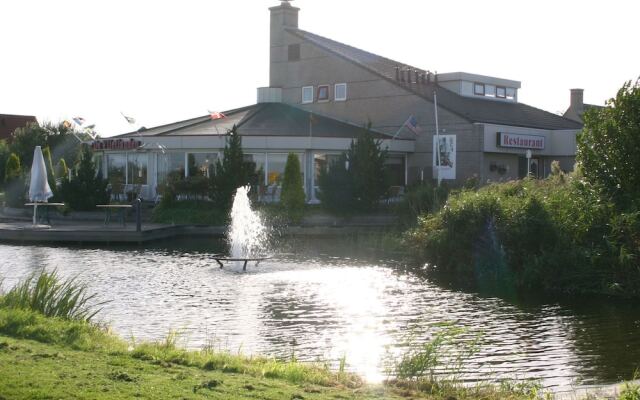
{"points": [[39, 190]]}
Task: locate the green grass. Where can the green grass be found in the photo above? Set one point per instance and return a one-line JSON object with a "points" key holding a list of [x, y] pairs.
{"points": [[63, 355]]}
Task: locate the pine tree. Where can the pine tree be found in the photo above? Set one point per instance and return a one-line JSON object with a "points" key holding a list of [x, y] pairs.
{"points": [[87, 189], [292, 197], [368, 171]]}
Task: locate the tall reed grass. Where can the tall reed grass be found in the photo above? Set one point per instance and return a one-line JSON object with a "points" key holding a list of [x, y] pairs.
{"points": [[46, 293]]}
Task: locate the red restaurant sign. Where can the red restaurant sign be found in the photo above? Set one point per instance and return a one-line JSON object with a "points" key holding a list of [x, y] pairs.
{"points": [[116, 144], [533, 142]]}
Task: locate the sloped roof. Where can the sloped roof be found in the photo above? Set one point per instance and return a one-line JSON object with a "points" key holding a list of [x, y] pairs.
{"points": [[469, 108], [9, 123], [265, 119]]}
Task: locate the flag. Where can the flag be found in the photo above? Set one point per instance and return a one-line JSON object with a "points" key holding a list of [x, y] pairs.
{"points": [[216, 115], [412, 125], [130, 120], [78, 120]]}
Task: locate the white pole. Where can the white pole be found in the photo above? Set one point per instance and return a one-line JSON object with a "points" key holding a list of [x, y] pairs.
{"points": [[35, 212], [435, 105]]}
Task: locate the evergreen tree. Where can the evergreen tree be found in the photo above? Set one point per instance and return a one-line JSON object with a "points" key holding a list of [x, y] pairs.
{"points": [[86, 189], [368, 171], [14, 182], [336, 188], [231, 172], [292, 197]]}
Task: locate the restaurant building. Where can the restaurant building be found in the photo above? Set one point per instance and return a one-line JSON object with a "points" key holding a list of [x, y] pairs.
{"points": [[320, 95]]}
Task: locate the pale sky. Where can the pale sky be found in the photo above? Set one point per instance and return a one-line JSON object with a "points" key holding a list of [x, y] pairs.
{"points": [[163, 61]]}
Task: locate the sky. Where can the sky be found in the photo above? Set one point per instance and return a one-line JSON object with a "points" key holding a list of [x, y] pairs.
{"points": [[163, 61]]}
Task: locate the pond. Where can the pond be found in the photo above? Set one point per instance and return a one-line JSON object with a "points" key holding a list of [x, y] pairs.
{"points": [[324, 299]]}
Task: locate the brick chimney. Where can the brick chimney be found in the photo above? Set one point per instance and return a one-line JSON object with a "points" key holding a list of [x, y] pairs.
{"points": [[282, 17], [577, 101]]}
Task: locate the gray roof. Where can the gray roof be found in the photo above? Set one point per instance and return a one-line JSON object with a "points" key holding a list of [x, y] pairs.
{"points": [[469, 108], [265, 119]]}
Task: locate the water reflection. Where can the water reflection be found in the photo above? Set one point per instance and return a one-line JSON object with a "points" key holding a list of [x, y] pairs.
{"points": [[325, 299]]}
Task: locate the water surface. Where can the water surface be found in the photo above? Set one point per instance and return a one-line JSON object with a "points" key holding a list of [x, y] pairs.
{"points": [[324, 299]]}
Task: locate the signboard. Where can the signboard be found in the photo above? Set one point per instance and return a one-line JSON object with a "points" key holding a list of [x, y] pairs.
{"points": [[447, 149], [514, 140], [116, 144]]}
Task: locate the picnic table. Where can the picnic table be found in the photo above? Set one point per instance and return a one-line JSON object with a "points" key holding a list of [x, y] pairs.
{"points": [[46, 206], [120, 208]]}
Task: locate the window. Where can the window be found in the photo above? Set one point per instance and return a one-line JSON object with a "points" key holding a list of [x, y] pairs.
{"points": [[490, 90], [511, 93], [170, 167], [340, 92], [137, 168], [116, 168], [478, 88], [294, 52], [323, 93], [307, 94], [202, 164], [501, 92]]}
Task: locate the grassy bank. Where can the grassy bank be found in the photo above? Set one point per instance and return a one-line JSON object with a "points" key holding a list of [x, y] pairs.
{"points": [[50, 349], [557, 234]]}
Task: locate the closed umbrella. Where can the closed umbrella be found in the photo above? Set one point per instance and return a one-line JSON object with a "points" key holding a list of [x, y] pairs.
{"points": [[39, 190]]}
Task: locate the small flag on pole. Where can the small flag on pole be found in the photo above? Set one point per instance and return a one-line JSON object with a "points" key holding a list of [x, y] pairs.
{"points": [[130, 120], [412, 125], [78, 120], [214, 115]]}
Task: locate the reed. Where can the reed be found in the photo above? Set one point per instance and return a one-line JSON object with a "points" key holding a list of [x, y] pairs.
{"points": [[46, 293]]}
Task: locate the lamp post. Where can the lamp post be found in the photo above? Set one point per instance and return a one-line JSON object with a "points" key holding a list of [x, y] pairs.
{"points": [[528, 162]]}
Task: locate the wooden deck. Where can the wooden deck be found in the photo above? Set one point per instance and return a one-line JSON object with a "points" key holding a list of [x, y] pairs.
{"points": [[92, 232]]}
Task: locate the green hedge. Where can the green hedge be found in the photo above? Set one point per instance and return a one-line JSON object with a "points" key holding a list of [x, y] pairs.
{"points": [[557, 234]]}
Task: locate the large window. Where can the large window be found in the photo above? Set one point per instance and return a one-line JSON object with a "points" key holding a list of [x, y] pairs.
{"points": [[117, 168], [478, 89], [511, 93], [501, 92], [275, 168], [137, 168], [202, 164], [170, 166]]}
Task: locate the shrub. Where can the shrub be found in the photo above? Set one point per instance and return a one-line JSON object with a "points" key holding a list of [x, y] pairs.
{"points": [[367, 167], [560, 236], [421, 199], [336, 188], [4, 156], [87, 189], [14, 182], [292, 197]]}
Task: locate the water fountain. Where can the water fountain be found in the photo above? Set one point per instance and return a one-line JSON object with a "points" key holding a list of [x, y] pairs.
{"points": [[247, 235]]}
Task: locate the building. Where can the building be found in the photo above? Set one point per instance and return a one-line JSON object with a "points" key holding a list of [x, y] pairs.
{"points": [[321, 92], [9, 123]]}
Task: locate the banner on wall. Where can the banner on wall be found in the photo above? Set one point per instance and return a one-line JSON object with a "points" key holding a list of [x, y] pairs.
{"points": [[447, 148]]}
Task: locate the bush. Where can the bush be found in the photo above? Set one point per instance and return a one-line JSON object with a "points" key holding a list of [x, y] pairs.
{"points": [[14, 182], [189, 212], [559, 236], [4, 156], [292, 197], [87, 189], [421, 199]]}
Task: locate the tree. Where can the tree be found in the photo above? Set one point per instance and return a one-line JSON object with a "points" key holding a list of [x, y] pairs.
{"points": [[292, 197], [51, 178], [368, 171], [609, 146], [87, 189], [231, 172], [336, 187], [62, 140], [14, 182], [4, 156]]}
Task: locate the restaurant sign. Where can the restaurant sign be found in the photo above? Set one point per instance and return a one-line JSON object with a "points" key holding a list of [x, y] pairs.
{"points": [[520, 141], [116, 144]]}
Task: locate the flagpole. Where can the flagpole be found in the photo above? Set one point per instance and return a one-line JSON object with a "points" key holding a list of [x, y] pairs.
{"points": [[435, 104]]}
